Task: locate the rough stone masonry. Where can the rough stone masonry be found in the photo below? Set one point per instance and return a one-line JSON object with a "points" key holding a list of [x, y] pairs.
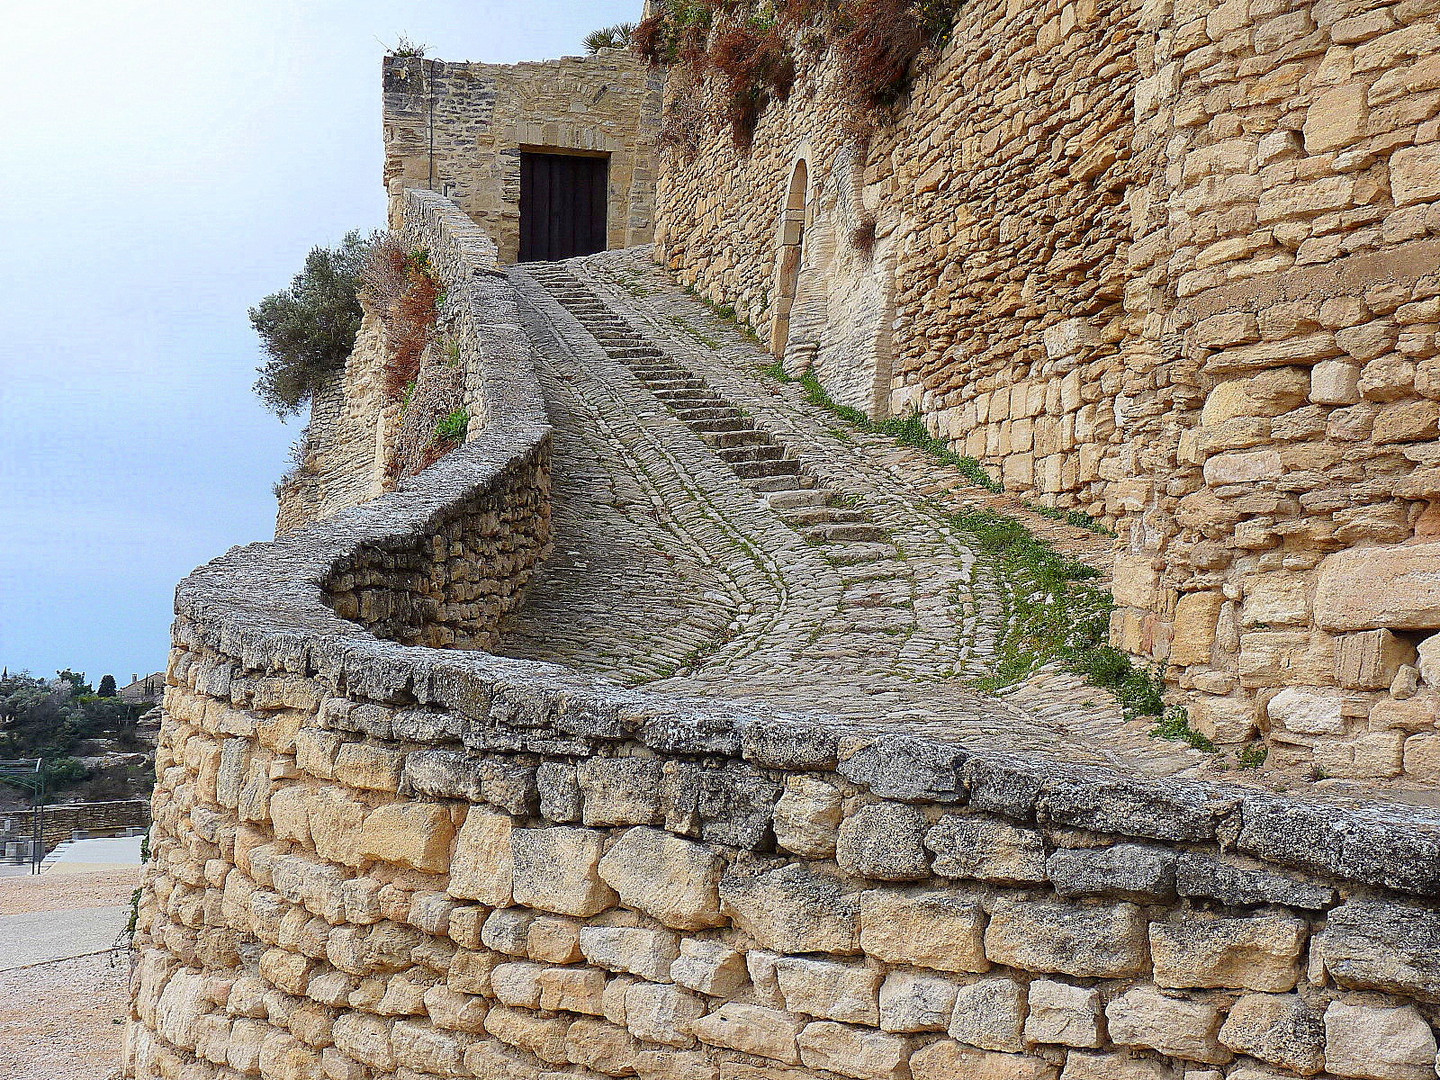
{"points": [[1176, 264], [378, 858]]}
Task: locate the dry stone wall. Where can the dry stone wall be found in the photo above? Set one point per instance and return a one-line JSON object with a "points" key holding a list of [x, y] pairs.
{"points": [[459, 128], [1174, 264], [374, 860]]}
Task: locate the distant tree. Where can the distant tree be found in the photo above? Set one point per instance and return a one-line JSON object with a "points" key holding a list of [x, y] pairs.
{"points": [[78, 686], [107, 686], [308, 330], [610, 37]]}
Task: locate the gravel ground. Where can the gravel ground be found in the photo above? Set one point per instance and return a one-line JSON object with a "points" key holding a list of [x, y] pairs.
{"points": [[64, 1020]]}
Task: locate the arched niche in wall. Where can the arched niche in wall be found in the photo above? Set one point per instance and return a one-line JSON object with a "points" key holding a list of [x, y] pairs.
{"points": [[791, 254]]}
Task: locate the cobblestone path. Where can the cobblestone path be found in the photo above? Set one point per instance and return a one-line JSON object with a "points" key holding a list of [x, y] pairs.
{"points": [[717, 535]]}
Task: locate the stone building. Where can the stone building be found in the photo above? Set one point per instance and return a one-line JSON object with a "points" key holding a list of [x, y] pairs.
{"points": [[520, 145]]}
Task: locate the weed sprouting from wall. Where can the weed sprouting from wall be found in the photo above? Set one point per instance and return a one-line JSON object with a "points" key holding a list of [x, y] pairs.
{"points": [[746, 51], [403, 290]]}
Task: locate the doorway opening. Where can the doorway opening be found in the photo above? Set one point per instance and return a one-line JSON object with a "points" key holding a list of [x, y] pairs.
{"points": [[563, 202], [792, 254]]}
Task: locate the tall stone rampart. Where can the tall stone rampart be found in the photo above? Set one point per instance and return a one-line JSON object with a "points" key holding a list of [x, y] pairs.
{"points": [[379, 857], [1174, 265]]}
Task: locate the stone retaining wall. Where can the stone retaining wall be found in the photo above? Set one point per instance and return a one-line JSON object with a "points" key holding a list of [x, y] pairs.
{"points": [[1173, 264], [59, 822], [378, 861]]}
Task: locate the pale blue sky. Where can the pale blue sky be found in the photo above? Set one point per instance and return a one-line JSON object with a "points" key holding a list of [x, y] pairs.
{"points": [[166, 164]]}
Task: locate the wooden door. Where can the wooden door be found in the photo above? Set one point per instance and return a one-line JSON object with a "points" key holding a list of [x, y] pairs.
{"points": [[562, 206]]}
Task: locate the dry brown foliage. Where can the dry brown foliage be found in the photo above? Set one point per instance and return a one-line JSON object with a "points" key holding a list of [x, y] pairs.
{"points": [[403, 290]]}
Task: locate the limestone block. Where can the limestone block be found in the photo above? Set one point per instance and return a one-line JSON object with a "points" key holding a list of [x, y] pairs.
{"points": [[507, 930], [620, 791], [807, 816], [1336, 119], [1373, 1043], [990, 1014], [554, 940], [638, 950], [1135, 582], [1374, 755], [752, 1029], [832, 989], [1063, 1014], [1115, 1065], [1239, 882], [1140, 872], [793, 908], [1224, 720], [559, 790], [1396, 588], [456, 1011], [1277, 1028], [1416, 713], [1085, 940], [936, 929], [1276, 600], [1377, 945], [1371, 659], [1196, 617], [1243, 467], [1226, 329], [884, 841], [694, 1065], [571, 989], [987, 849], [540, 1035], [517, 983], [1422, 757], [1307, 711], [483, 866], [414, 835], [1429, 658], [1335, 382], [180, 1007], [1415, 174], [709, 966], [1148, 1019], [662, 1014], [946, 1060], [911, 1001], [1259, 952], [558, 870], [368, 766], [673, 880], [1070, 336], [491, 1060], [606, 1048], [855, 1051], [470, 971], [1268, 393], [365, 1038], [427, 1049]]}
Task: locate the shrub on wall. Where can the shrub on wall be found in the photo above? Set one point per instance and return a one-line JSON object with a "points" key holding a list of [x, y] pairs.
{"points": [[308, 330], [744, 51]]}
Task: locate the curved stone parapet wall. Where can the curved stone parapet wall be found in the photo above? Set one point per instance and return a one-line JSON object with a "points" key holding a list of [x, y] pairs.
{"points": [[377, 858]]}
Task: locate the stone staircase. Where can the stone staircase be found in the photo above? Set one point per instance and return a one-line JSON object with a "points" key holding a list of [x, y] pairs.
{"points": [[757, 457]]}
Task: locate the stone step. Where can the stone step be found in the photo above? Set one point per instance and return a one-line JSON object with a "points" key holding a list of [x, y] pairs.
{"points": [[804, 516], [845, 533], [765, 485], [717, 424], [718, 412], [858, 553], [763, 452], [660, 386], [798, 497], [730, 439], [750, 470]]}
